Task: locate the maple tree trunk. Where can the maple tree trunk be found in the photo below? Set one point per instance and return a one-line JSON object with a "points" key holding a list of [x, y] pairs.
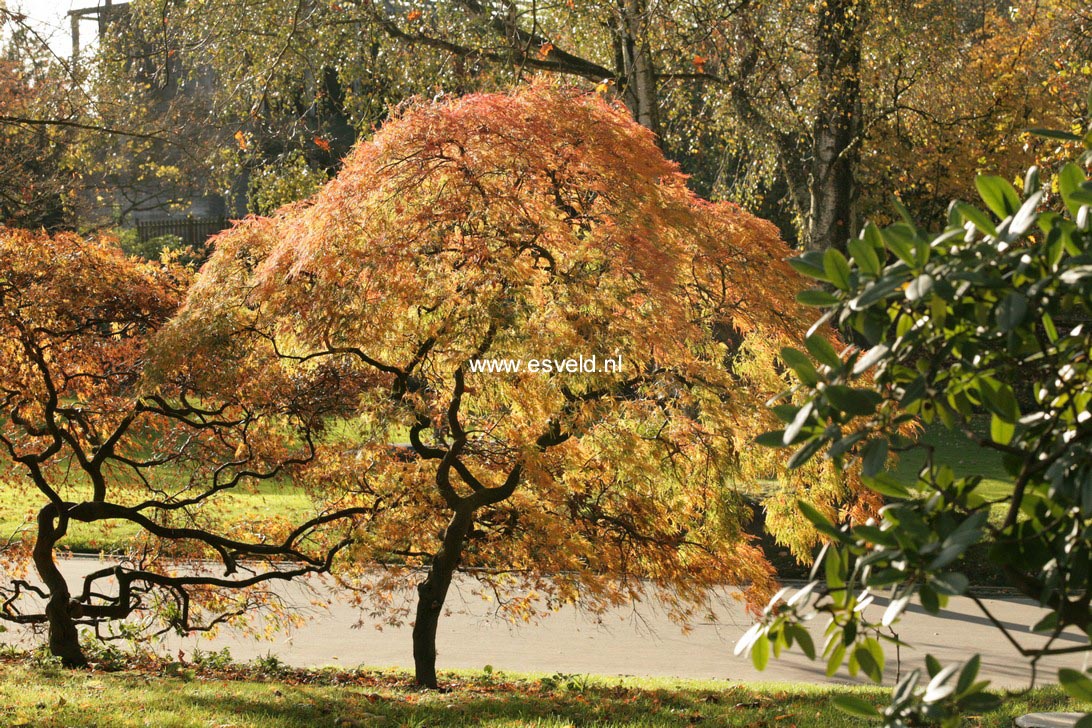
{"points": [[64, 639], [431, 594], [833, 185]]}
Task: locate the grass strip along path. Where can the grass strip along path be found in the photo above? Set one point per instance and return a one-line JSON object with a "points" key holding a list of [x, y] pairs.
{"points": [[214, 692]]}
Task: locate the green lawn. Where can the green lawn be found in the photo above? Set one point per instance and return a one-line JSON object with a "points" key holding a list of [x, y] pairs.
{"points": [[963, 456], [193, 696], [17, 511], [279, 498], [282, 499]]}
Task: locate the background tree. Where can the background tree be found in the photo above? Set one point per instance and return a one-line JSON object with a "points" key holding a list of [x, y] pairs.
{"points": [[808, 114], [34, 179], [249, 126], [82, 436], [947, 118], [75, 157], [990, 316], [496, 230]]}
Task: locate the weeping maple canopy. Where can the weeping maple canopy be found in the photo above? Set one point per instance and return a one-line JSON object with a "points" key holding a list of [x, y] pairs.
{"points": [[85, 440], [538, 224]]}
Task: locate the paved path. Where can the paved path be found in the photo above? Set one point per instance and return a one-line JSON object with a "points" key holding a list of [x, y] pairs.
{"points": [[635, 641]]}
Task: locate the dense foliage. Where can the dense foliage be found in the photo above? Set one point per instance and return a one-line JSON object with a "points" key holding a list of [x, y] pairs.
{"points": [[992, 316], [34, 180]]}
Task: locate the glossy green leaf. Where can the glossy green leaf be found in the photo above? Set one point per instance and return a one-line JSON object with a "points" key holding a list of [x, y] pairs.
{"points": [[874, 457], [876, 291], [929, 599], [774, 438], [864, 255], [1001, 431], [785, 412], [801, 365], [852, 401], [760, 652], [887, 484], [872, 235], [837, 269], [903, 211], [978, 218], [1076, 683], [868, 664], [875, 652], [1054, 134], [999, 398], [1069, 181], [803, 638], [968, 674], [816, 297], [821, 348], [952, 584], [998, 194], [900, 241], [981, 702], [810, 264], [818, 519], [805, 453], [834, 660]]}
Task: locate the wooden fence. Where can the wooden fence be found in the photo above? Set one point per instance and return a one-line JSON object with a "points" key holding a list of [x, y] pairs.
{"points": [[192, 230]]}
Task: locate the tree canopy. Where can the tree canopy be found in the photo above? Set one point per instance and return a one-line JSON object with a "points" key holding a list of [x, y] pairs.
{"points": [[34, 180], [88, 440], [539, 225]]}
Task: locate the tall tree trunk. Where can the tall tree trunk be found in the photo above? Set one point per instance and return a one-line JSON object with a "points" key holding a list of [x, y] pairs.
{"points": [[61, 611], [431, 594], [636, 69], [837, 124]]}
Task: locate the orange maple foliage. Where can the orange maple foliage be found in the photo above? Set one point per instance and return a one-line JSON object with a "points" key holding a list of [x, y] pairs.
{"points": [[539, 224], [84, 439]]}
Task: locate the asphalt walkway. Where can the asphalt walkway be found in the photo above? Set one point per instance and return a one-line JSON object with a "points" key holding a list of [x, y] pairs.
{"points": [[637, 640]]}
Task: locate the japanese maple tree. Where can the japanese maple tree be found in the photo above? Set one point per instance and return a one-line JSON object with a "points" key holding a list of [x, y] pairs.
{"points": [[542, 224], [85, 438]]}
